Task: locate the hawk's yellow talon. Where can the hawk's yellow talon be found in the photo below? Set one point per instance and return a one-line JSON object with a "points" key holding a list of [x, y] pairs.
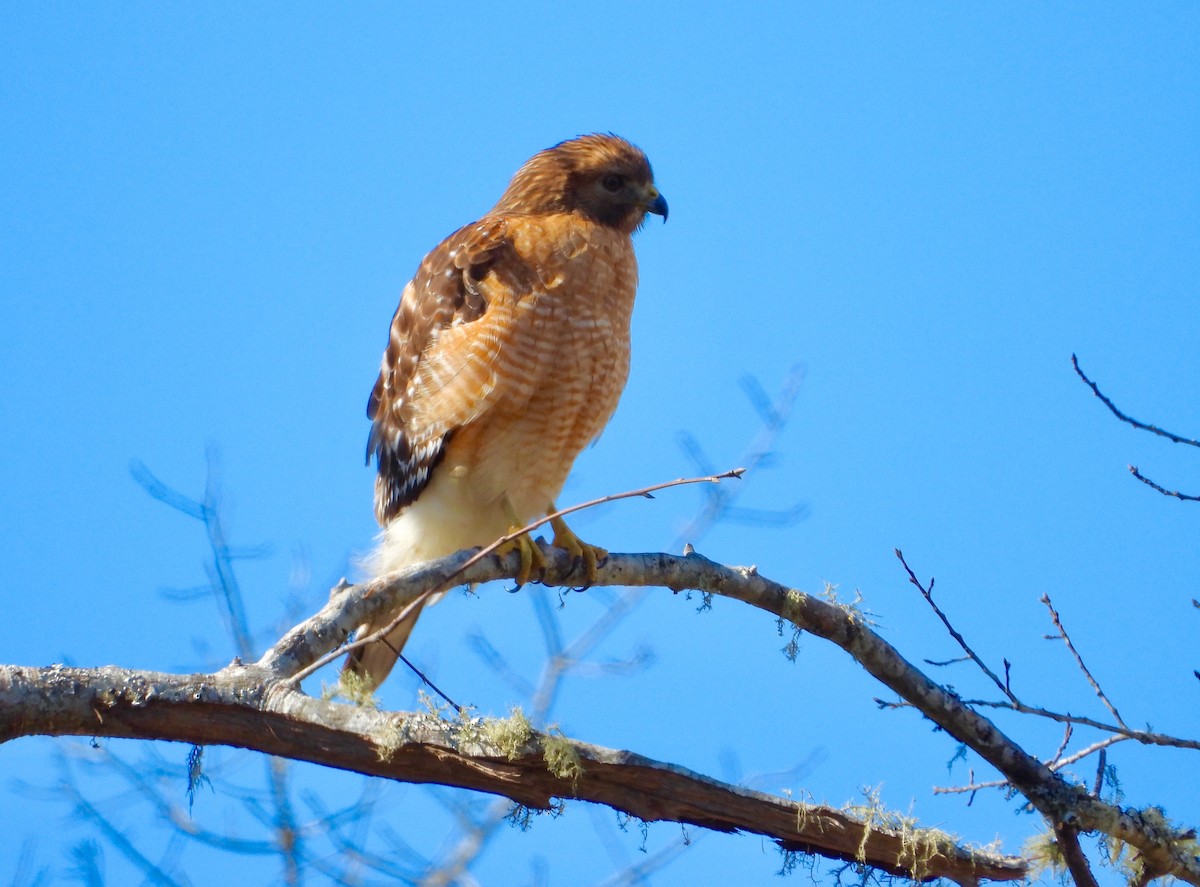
{"points": [[565, 538], [531, 556]]}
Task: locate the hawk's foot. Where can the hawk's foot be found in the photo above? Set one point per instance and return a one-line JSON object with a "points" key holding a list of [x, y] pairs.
{"points": [[591, 556], [530, 555]]}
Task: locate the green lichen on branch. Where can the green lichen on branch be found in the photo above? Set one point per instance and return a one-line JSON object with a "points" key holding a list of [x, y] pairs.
{"points": [[808, 816], [1152, 821], [509, 735], [457, 728], [853, 609], [357, 688], [918, 846], [793, 607], [560, 755], [1043, 849], [389, 737]]}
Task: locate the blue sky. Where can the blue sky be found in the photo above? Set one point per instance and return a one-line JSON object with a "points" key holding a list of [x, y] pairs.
{"points": [[208, 213]]}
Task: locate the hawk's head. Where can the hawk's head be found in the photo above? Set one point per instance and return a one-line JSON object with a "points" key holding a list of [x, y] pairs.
{"points": [[602, 177]]}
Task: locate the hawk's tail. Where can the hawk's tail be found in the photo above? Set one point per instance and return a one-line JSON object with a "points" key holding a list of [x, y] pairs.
{"points": [[373, 662], [406, 540]]}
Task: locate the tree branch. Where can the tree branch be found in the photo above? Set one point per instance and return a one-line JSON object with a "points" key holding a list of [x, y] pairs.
{"points": [[1153, 429], [1087, 673], [258, 707], [1174, 494], [1067, 838], [245, 706]]}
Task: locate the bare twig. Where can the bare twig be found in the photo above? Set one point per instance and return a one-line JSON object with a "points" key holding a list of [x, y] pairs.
{"points": [[428, 683], [1145, 737], [1174, 494], [1057, 766], [1066, 639], [1067, 731], [927, 593], [1154, 429]]}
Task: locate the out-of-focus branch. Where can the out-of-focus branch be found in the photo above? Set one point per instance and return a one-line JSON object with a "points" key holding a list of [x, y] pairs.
{"points": [[224, 585], [245, 706]]}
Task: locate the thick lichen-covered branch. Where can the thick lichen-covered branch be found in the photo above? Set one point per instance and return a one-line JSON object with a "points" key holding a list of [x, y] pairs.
{"points": [[247, 707]]}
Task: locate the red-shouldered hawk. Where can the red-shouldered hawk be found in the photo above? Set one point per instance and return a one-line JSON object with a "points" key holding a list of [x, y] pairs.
{"points": [[507, 356]]}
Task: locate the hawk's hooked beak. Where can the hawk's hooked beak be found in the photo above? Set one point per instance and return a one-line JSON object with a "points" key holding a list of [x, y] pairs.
{"points": [[655, 203]]}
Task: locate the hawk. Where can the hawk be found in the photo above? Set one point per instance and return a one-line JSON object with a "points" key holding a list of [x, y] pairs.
{"points": [[506, 357]]}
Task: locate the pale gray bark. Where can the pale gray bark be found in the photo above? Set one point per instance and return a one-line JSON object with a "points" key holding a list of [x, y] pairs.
{"points": [[260, 707]]}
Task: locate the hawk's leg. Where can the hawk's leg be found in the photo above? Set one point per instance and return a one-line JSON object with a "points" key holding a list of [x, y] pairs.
{"points": [[530, 555], [565, 538]]}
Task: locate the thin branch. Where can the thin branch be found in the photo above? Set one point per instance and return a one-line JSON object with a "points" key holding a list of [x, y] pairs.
{"points": [[428, 683], [1175, 494], [1154, 429], [488, 550], [1056, 766], [1098, 746], [1145, 737], [154, 873], [1066, 639], [1067, 731], [927, 593]]}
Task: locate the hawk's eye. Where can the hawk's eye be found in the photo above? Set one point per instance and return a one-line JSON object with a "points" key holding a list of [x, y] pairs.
{"points": [[613, 183]]}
